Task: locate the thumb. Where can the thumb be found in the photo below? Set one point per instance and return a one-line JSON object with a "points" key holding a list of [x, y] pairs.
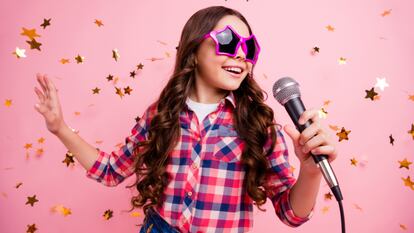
{"points": [[293, 133]]}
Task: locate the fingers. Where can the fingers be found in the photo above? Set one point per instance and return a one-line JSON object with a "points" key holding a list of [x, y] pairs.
{"points": [[314, 142], [309, 114], [40, 95], [41, 80]]}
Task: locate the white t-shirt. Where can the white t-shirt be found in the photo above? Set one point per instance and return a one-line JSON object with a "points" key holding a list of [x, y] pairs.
{"points": [[201, 109]]}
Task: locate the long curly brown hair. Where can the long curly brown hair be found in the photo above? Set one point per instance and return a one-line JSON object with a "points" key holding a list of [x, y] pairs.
{"points": [[253, 119]]}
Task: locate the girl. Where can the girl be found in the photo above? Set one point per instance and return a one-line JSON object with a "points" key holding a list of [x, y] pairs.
{"points": [[208, 148]]}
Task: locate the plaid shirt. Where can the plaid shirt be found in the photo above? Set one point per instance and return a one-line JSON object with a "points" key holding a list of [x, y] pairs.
{"points": [[206, 193]]}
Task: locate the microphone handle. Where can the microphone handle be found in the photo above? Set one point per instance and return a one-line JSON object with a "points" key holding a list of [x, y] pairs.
{"points": [[295, 108]]}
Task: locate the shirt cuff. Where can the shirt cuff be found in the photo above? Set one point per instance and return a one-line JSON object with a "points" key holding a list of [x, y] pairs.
{"points": [[291, 216], [95, 171]]}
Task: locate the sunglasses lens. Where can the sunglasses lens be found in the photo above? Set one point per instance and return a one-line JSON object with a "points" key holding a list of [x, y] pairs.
{"points": [[227, 41], [251, 45]]}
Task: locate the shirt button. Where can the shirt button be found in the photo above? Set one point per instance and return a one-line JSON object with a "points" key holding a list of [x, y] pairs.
{"points": [[190, 193]]}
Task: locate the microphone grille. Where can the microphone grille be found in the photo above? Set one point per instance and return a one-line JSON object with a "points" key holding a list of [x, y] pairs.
{"points": [[284, 89]]}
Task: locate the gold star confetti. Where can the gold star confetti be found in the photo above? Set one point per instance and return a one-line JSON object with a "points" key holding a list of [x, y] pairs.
{"points": [[342, 61], [39, 152], [326, 103], [115, 54], [119, 92], [96, 90], [328, 196], [64, 61], [61, 209], [31, 200], [19, 52], [408, 182], [391, 139], [31, 228], [132, 74], [314, 51], [30, 33], [127, 90], [167, 54], [140, 66], [343, 135], [7, 102], [411, 97], [385, 13], [18, 185], [28, 145], [370, 94], [110, 77], [330, 28], [354, 162], [325, 209], [405, 164], [46, 22], [108, 214], [40, 140], [34, 44], [79, 59], [98, 22], [381, 83], [69, 159], [411, 131]]}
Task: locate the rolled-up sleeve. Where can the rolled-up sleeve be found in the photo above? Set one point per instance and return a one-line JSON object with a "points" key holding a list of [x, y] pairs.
{"points": [[279, 182], [112, 168]]}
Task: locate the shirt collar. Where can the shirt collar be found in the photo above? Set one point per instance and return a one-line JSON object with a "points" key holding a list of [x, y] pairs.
{"points": [[230, 97]]}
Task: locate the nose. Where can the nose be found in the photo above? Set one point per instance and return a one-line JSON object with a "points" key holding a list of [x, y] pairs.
{"points": [[240, 55]]}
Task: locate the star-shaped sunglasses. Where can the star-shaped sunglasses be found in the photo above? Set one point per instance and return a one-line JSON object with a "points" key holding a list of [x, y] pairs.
{"points": [[228, 42]]}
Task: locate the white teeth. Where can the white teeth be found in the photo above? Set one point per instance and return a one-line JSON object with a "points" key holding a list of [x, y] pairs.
{"points": [[235, 69]]}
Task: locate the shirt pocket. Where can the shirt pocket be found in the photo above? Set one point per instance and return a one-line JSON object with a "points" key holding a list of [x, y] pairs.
{"points": [[227, 144]]}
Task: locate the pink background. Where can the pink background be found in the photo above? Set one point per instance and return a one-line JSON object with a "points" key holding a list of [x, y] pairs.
{"points": [[374, 46]]}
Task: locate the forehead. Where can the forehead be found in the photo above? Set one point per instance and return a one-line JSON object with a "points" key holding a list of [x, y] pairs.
{"points": [[236, 23]]}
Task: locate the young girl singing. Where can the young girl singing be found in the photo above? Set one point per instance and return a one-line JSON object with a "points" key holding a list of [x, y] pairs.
{"points": [[208, 148]]}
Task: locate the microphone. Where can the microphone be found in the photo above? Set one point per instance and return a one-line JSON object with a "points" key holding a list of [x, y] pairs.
{"points": [[286, 92]]}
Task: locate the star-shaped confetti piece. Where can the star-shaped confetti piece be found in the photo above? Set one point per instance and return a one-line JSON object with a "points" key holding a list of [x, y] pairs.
{"points": [[61, 209], [96, 90], [132, 74], [69, 159], [46, 22], [140, 66], [405, 164], [385, 13], [8, 102], [28, 145], [34, 44], [402, 226], [314, 51], [391, 139], [330, 28], [127, 90], [343, 135], [370, 94], [110, 77], [31, 200], [31, 228], [325, 209], [411, 97], [408, 182], [19, 52], [108, 214], [64, 61], [40, 140], [411, 131], [119, 92], [354, 162], [98, 22], [18, 185], [328, 196], [79, 59], [342, 61], [30, 33], [381, 83], [115, 54]]}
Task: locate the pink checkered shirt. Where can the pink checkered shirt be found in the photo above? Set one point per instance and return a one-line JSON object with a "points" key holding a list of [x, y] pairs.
{"points": [[206, 193]]}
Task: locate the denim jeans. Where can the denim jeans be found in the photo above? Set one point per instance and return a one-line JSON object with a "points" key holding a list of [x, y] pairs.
{"points": [[153, 223]]}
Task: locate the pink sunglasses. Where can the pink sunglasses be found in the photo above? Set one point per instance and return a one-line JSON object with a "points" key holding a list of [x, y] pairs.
{"points": [[228, 42]]}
